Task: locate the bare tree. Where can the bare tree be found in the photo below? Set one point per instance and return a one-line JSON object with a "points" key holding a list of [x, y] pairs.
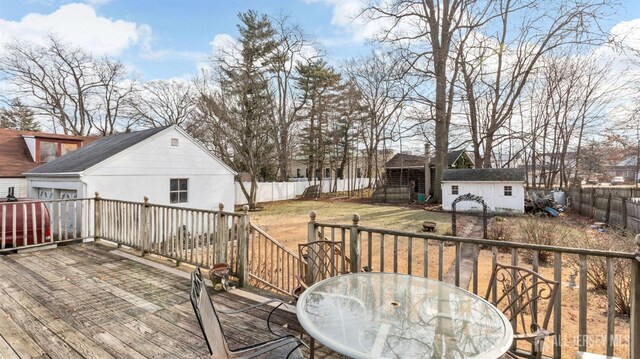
{"points": [[384, 90], [293, 47], [112, 98], [163, 103], [500, 59], [58, 78], [426, 34]]}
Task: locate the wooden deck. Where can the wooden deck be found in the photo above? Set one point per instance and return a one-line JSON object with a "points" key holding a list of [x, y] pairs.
{"points": [[86, 301]]}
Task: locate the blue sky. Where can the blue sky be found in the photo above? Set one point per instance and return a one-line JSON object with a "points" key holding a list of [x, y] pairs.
{"points": [[181, 31], [168, 38]]}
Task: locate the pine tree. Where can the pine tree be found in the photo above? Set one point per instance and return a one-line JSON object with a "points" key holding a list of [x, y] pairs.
{"points": [[18, 117], [318, 82]]}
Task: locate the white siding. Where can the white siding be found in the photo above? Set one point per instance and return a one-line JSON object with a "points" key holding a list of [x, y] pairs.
{"points": [[19, 186], [148, 168], [491, 192]]}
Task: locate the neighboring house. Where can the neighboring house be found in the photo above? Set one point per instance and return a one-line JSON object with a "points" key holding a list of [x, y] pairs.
{"points": [[501, 188], [627, 168], [165, 164], [21, 151], [404, 169]]}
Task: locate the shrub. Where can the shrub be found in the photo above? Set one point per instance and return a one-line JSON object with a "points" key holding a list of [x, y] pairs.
{"points": [[543, 232], [499, 229], [597, 267]]}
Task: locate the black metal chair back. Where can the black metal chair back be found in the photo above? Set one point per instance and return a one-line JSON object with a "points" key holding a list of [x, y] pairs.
{"points": [[527, 299]]}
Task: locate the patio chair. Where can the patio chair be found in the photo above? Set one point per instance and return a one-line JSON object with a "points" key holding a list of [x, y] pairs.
{"points": [[319, 260], [286, 346], [519, 292]]}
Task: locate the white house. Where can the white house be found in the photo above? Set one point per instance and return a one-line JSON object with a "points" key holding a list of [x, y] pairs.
{"points": [[501, 188], [165, 164]]}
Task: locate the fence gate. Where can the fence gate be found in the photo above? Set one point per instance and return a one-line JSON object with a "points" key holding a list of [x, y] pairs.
{"points": [[472, 198]]}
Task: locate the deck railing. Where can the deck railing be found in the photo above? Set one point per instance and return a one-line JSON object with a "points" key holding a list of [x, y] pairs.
{"points": [[27, 224], [202, 237], [271, 264], [414, 253], [194, 236]]}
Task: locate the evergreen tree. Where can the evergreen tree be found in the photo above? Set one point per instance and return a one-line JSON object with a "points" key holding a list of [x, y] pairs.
{"points": [[18, 117], [318, 83]]}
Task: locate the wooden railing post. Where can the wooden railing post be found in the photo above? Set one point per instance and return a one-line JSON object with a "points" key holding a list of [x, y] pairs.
{"points": [[243, 247], [354, 245], [635, 303], [592, 200], [624, 213], [311, 237], [97, 225], [144, 227], [221, 236]]}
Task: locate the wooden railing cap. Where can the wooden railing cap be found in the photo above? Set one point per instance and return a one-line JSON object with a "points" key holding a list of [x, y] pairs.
{"points": [[312, 216]]}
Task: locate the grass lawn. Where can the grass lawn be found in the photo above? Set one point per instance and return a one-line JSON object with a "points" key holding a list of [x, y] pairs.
{"points": [[287, 220]]}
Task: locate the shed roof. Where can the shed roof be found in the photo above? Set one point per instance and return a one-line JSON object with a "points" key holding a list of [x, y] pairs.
{"points": [[484, 175], [96, 152], [402, 160]]}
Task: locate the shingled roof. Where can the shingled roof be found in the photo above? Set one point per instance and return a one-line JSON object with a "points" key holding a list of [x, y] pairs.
{"points": [[98, 151], [15, 158], [402, 160], [484, 175]]}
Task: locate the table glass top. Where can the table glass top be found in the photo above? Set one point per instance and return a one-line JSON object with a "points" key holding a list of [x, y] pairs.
{"points": [[385, 315]]}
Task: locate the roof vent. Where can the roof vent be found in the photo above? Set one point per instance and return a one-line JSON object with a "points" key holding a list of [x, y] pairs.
{"points": [[175, 142]]}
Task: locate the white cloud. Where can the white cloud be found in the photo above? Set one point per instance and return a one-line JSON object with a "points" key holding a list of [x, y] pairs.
{"points": [[78, 24], [95, 3], [350, 15]]}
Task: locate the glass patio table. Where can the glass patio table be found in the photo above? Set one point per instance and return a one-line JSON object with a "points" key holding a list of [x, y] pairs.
{"points": [[386, 315]]}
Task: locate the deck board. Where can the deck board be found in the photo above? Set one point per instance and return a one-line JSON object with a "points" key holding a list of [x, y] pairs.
{"points": [[84, 301]]}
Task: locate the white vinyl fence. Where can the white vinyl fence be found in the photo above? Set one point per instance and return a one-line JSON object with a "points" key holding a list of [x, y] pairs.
{"points": [[280, 191]]}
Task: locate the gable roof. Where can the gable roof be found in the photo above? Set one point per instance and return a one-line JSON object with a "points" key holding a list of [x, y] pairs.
{"points": [[484, 175], [96, 152], [402, 160], [15, 158]]}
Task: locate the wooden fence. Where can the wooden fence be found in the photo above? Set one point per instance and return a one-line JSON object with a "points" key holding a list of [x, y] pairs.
{"points": [[608, 206]]}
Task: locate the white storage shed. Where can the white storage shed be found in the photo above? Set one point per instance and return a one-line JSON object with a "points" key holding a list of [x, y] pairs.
{"points": [[501, 188]]}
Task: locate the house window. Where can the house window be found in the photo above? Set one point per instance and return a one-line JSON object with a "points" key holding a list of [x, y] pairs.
{"points": [[175, 142], [50, 150], [297, 173], [358, 173], [508, 190], [327, 172], [178, 190], [454, 189]]}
